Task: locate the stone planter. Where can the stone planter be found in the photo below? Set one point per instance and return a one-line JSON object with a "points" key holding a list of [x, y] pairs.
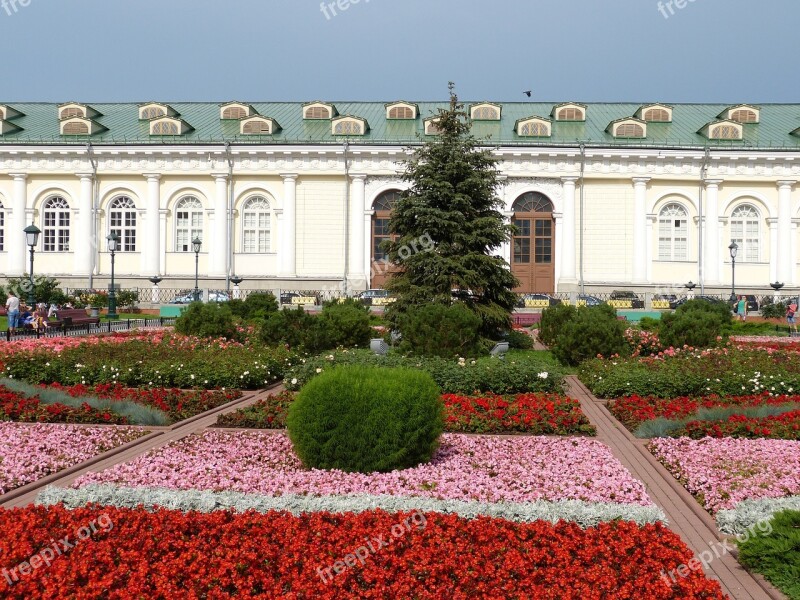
{"points": [[94, 311]]}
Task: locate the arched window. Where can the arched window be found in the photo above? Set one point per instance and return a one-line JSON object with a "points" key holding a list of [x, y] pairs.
{"points": [[56, 225], [401, 112], [534, 129], [486, 113], [317, 112], [256, 226], [382, 206], [570, 113], [629, 130], [348, 128], [657, 115], [673, 233], [188, 223], [534, 230], [152, 112], [122, 221], [76, 128], [72, 111], [744, 115], [257, 127], [165, 128], [234, 112], [745, 231], [725, 132]]}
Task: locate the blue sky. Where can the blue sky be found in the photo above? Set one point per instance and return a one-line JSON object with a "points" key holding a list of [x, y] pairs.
{"points": [[726, 51]]}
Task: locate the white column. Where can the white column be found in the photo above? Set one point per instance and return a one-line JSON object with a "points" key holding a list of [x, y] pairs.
{"points": [[775, 258], [651, 220], [161, 256], [557, 259], [218, 249], [289, 237], [793, 256], [640, 229], [357, 229], [152, 234], [784, 231], [711, 246], [366, 217], [567, 235], [85, 247], [15, 238]]}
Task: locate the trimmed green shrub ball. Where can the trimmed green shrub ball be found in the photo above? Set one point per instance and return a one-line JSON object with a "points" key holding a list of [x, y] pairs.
{"points": [[365, 419]]}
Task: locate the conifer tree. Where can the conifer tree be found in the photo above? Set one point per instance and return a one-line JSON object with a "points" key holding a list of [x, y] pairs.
{"points": [[447, 225]]}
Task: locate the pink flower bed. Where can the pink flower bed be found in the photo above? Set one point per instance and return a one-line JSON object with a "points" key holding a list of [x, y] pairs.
{"points": [[485, 468], [721, 472], [57, 344], [30, 452]]}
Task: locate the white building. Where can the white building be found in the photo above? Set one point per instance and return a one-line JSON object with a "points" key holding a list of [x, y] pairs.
{"points": [[295, 196]]}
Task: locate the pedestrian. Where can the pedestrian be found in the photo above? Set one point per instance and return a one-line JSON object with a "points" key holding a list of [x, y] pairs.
{"points": [[12, 309], [790, 318], [741, 308]]}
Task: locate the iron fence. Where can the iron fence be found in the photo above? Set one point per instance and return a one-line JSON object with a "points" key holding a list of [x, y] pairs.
{"points": [[90, 328]]}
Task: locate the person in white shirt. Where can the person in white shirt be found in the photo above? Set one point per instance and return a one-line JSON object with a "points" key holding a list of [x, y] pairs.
{"points": [[12, 308]]}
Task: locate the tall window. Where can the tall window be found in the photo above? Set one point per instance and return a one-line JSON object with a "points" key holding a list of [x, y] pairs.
{"points": [[188, 223], [382, 206], [56, 225], [745, 232], [534, 229], [673, 233], [256, 226], [2, 229], [122, 221]]}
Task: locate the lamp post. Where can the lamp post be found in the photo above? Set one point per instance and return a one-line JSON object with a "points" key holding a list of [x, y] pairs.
{"points": [[733, 248], [690, 286], [113, 243], [31, 238], [236, 280], [196, 243]]}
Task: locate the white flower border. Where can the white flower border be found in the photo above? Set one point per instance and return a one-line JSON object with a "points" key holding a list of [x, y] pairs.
{"points": [[585, 514], [747, 513]]}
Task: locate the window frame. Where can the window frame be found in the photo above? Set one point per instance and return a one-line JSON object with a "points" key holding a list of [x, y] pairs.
{"points": [[191, 229], [59, 232], [746, 241], [126, 231], [257, 229], [673, 254]]}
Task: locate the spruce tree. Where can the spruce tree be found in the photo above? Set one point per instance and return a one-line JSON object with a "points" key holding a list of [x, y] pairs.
{"points": [[447, 225]]}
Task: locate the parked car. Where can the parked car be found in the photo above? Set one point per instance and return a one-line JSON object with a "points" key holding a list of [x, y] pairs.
{"points": [[670, 299], [623, 297], [376, 297], [212, 297], [536, 301], [710, 299], [586, 300]]}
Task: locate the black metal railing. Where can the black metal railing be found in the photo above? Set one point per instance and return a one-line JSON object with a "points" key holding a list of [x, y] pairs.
{"points": [[89, 328]]}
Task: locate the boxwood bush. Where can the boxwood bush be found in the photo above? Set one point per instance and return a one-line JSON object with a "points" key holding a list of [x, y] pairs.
{"points": [[212, 320], [520, 371], [364, 419], [591, 331], [696, 323], [439, 330]]}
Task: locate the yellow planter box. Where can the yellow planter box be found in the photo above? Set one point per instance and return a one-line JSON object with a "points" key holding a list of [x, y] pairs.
{"points": [[661, 304], [304, 300], [621, 303]]}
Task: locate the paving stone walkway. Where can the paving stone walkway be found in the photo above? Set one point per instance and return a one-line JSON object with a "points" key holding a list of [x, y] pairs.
{"points": [[686, 517]]}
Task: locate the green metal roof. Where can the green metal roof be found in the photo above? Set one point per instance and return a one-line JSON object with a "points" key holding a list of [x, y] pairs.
{"points": [[40, 125]]}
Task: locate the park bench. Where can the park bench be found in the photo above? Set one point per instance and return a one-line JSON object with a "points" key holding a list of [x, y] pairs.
{"points": [[73, 317]]}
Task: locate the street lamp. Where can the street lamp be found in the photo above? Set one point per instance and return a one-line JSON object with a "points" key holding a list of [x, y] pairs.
{"points": [[196, 243], [236, 280], [113, 244], [31, 238], [733, 248]]}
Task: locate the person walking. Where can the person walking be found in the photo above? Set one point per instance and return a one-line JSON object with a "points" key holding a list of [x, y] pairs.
{"points": [[741, 308], [12, 309], [790, 319]]}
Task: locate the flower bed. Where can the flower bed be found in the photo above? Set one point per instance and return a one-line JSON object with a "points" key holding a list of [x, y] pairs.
{"points": [[31, 452], [520, 372], [723, 472], [721, 371], [135, 553], [162, 360], [489, 469], [779, 427], [176, 404], [539, 414]]}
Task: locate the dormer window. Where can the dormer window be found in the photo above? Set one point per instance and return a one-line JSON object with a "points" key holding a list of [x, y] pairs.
{"points": [[169, 126], [723, 130], [6, 113], [401, 111], [655, 113], [628, 128], [569, 112], [258, 125], [533, 127], [485, 111], [349, 126], [743, 113], [319, 111], [235, 110], [153, 110], [73, 109], [80, 126], [432, 126], [8, 127]]}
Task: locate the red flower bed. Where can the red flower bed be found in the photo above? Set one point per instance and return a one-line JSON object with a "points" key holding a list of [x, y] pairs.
{"points": [[169, 554], [780, 427], [632, 411], [267, 413], [543, 414], [15, 407]]}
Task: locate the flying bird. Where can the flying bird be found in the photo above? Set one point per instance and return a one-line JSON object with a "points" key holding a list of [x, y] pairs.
{"points": [[527, 93]]}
